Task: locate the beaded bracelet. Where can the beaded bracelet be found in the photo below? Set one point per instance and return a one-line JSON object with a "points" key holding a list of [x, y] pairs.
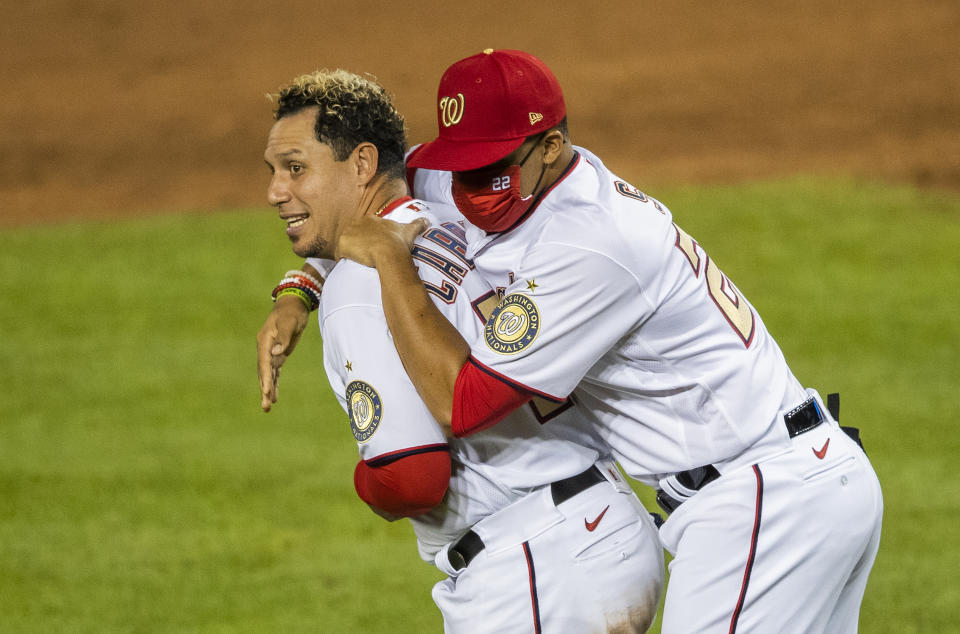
{"points": [[310, 297], [301, 284], [305, 276]]}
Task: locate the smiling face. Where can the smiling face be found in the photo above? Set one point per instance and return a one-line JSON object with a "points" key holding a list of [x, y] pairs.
{"points": [[315, 194]]}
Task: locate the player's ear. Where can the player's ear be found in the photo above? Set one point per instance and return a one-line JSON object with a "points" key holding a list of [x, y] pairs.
{"points": [[366, 159], [552, 146]]}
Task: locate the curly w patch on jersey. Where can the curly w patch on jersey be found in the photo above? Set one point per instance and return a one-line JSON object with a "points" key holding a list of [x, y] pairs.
{"points": [[513, 325], [365, 409]]}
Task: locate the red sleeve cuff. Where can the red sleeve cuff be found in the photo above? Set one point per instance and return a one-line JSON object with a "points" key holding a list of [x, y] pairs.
{"points": [[411, 485], [480, 400]]}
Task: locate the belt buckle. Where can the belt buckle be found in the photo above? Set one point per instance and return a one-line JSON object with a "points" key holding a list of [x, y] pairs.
{"points": [[456, 559], [675, 489], [666, 502]]}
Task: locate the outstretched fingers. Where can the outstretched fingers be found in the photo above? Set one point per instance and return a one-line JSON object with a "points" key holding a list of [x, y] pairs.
{"points": [[275, 343]]}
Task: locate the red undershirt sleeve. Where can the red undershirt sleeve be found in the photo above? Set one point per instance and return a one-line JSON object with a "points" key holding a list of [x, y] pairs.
{"points": [[481, 400], [411, 485]]}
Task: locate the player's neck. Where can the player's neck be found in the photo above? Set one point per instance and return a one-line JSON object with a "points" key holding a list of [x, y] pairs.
{"points": [[556, 169], [381, 192]]}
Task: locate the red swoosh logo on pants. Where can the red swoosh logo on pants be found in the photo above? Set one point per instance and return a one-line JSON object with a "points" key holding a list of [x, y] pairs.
{"points": [[823, 450], [591, 526]]}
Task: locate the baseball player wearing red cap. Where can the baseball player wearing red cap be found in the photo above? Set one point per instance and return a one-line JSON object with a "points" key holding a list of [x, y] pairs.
{"points": [[533, 524], [775, 512]]}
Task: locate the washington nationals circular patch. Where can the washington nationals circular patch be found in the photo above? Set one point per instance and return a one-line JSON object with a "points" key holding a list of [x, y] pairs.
{"points": [[513, 325], [365, 409]]}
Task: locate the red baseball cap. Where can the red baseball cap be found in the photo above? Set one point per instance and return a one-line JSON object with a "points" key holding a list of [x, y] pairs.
{"points": [[487, 105]]}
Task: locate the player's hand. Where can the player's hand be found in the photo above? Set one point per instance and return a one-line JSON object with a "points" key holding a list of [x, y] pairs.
{"points": [[370, 236], [276, 341]]}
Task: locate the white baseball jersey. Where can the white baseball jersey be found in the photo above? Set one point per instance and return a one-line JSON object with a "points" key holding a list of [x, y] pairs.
{"points": [[610, 301], [534, 446]]}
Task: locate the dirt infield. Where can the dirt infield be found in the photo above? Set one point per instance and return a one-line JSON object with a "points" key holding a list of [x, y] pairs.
{"points": [[121, 109]]}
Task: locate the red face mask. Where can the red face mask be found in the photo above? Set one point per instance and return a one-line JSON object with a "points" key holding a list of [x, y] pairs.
{"points": [[496, 204]]}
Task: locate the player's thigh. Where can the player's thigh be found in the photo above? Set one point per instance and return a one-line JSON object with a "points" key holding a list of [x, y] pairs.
{"points": [[845, 617], [581, 575], [625, 581], [751, 543], [607, 579], [822, 523], [846, 613], [492, 594], [710, 536]]}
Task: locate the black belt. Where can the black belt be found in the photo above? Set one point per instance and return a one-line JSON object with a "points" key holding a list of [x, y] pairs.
{"points": [[470, 545], [801, 419]]}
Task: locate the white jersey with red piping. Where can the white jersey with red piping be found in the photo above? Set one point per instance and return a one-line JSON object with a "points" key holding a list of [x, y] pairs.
{"points": [[387, 417], [607, 300]]}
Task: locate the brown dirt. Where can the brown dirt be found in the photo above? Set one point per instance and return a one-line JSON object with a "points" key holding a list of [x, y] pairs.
{"points": [[131, 107]]}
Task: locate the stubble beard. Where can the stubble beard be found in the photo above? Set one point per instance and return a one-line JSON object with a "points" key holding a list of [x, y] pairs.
{"points": [[316, 248]]}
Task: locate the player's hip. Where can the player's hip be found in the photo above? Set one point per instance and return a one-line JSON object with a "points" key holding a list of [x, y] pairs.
{"points": [[544, 509], [588, 560], [802, 523], [824, 478]]}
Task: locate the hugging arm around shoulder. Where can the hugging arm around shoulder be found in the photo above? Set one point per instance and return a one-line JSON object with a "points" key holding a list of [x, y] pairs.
{"points": [[480, 400]]}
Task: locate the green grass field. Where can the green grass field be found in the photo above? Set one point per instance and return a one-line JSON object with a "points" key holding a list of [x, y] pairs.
{"points": [[142, 489]]}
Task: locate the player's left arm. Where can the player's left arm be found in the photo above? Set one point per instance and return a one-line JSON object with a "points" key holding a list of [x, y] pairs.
{"points": [[405, 466]]}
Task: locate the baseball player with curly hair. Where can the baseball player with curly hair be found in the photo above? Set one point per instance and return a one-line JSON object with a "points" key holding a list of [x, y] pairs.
{"points": [[775, 512], [531, 521]]}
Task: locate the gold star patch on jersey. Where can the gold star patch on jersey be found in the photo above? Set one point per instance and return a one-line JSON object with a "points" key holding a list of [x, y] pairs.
{"points": [[513, 325], [365, 410]]}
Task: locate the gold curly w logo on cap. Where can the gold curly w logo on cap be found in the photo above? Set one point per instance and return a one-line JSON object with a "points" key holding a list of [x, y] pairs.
{"points": [[451, 110]]}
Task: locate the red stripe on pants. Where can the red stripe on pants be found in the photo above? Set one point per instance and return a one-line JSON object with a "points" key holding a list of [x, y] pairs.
{"points": [[753, 550]]}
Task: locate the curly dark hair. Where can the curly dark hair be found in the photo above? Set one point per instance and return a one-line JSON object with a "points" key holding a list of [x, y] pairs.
{"points": [[352, 110]]}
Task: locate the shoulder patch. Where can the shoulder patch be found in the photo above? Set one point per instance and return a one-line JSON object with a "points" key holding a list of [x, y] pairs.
{"points": [[513, 325], [365, 409]]}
